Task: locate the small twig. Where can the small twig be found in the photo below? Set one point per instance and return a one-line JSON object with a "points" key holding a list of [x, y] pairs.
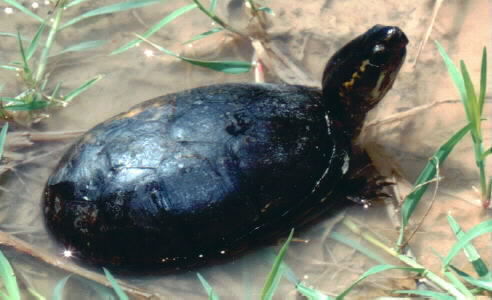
{"points": [[408, 113], [21, 246], [28, 138], [435, 10]]}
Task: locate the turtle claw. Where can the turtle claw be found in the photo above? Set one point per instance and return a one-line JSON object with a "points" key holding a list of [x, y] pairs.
{"points": [[364, 191]]}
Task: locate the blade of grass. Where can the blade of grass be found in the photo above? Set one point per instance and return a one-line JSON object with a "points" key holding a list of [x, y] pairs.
{"points": [[427, 174], [267, 10], [74, 93], [24, 9], [10, 99], [203, 35], [82, 46], [27, 106], [453, 71], [25, 65], [213, 6], [483, 80], [357, 246], [163, 22], [269, 287], [375, 270], [12, 35], [10, 68], [8, 277], [482, 228], [35, 42], [56, 90], [73, 3], [3, 138], [471, 253], [59, 288], [456, 282], [471, 100], [212, 295], [424, 293], [231, 67], [116, 287], [43, 59], [118, 7], [311, 293], [481, 283]]}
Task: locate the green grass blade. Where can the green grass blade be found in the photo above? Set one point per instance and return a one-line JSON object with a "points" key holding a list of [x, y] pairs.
{"points": [[231, 67], [311, 293], [471, 100], [163, 22], [25, 65], [470, 251], [10, 99], [12, 35], [114, 8], [483, 80], [203, 35], [267, 10], [375, 270], [27, 106], [486, 153], [82, 46], [212, 295], [3, 138], [357, 246], [23, 9], [56, 90], [116, 287], [74, 2], [481, 283], [453, 71], [74, 93], [35, 42], [10, 68], [59, 288], [427, 174], [427, 294], [275, 273], [482, 228], [456, 282], [8, 276], [213, 6]]}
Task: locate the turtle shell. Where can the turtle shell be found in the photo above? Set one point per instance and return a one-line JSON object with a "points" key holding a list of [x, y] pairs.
{"points": [[195, 175]]}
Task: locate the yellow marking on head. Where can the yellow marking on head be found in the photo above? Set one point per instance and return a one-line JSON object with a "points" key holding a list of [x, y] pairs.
{"points": [[356, 75], [349, 84], [362, 67], [377, 89]]}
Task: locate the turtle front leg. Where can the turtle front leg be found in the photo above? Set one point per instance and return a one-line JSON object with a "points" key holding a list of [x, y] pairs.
{"points": [[363, 184]]}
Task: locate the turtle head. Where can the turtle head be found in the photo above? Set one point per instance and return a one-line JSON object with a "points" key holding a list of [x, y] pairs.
{"points": [[358, 75]]}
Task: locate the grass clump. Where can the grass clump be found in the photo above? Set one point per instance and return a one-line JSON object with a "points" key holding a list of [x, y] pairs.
{"points": [[39, 92]]}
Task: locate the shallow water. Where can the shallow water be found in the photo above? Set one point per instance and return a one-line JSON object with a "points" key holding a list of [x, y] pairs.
{"points": [[307, 34]]}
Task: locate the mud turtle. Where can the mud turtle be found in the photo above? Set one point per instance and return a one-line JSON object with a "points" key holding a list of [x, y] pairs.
{"points": [[188, 177]]}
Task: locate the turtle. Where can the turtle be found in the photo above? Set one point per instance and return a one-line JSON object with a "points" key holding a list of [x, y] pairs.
{"points": [[196, 176]]}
